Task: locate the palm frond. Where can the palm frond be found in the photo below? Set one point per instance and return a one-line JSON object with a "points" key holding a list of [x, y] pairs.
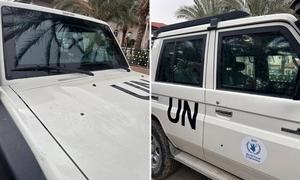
{"points": [[189, 13], [201, 8], [76, 6], [29, 43]]}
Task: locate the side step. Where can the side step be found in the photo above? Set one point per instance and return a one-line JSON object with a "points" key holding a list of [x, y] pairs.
{"points": [[203, 167]]}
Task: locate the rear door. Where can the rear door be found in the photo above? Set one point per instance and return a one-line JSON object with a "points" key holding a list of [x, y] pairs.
{"points": [[252, 120], [178, 90]]}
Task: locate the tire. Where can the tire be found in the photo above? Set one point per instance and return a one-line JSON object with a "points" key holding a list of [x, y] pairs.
{"points": [[162, 163]]}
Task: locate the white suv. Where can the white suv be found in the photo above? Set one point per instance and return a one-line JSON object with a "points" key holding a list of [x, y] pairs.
{"points": [[70, 108], [225, 97]]}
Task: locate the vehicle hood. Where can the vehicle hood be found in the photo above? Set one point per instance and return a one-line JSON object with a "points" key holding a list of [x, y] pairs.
{"points": [[102, 122]]}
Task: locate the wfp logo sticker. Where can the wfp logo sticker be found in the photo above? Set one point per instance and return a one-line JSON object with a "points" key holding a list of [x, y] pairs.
{"points": [[254, 150]]}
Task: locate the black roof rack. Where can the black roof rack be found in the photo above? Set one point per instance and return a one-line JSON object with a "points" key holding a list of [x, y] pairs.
{"points": [[211, 19]]}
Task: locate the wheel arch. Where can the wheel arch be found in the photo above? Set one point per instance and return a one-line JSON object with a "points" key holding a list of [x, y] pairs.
{"points": [[155, 118]]}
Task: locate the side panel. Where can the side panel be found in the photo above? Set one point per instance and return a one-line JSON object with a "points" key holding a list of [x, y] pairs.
{"points": [[182, 136], [180, 108], [17, 159], [251, 120]]}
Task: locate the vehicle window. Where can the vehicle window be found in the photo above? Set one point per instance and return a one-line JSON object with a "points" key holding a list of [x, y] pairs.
{"points": [[34, 38], [166, 62], [263, 63], [181, 61]]}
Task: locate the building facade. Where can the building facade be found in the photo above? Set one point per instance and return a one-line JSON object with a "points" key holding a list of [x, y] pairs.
{"points": [[131, 35]]}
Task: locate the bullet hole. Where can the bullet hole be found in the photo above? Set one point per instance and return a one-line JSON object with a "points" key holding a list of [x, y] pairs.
{"points": [[81, 114], [142, 76], [221, 145], [94, 85]]}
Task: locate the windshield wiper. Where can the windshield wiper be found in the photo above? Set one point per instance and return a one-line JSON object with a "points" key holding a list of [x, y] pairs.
{"points": [[106, 64], [46, 68], [123, 67]]}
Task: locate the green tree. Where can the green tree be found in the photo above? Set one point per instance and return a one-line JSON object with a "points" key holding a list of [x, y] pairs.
{"points": [[262, 7], [202, 8], [101, 9], [122, 12], [126, 17], [143, 13], [76, 6]]}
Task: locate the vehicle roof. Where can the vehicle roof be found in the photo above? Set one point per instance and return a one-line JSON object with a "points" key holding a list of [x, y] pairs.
{"points": [[49, 10], [233, 23]]}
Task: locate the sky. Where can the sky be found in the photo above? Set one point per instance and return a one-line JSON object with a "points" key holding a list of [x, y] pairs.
{"points": [[163, 11]]}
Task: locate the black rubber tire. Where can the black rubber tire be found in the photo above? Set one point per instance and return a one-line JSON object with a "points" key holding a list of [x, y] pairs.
{"points": [[168, 165]]}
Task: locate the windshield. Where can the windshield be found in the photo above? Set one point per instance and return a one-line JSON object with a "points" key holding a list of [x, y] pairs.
{"points": [[34, 38]]}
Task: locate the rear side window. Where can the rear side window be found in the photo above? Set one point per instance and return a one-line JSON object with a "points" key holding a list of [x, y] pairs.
{"points": [[181, 61], [258, 61]]}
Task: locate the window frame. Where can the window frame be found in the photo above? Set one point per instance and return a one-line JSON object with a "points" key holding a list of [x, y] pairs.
{"points": [[202, 37], [265, 29]]}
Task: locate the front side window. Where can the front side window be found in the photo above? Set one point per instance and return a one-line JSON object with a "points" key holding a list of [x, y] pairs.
{"points": [[261, 62], [181, 61], [40, 39]]}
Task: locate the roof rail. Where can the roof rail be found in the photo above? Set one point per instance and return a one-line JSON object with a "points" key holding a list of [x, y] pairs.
{"points": [[211, 19]]}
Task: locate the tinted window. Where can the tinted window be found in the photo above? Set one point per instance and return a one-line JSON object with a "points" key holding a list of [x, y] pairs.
{"points": [[263, 63], [33, 38], [181, 61]]}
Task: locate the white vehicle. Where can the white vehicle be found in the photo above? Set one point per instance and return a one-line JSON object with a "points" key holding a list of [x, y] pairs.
{"points": [[225, 97], [70, 108]]}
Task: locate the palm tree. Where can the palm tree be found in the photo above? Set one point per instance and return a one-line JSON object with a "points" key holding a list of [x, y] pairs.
{"points": [[126, 17], [262, 7], [202, 8], [122, 12], [100, 9], [76, 6], [143, 12]]}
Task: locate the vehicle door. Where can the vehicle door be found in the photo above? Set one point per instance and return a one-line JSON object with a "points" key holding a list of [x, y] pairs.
{"points": [[252, 120], [178, 89]]}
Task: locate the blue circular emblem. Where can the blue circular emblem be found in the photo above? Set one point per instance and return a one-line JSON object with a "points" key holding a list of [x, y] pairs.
{"points": [[253, 147], [254, 150]]}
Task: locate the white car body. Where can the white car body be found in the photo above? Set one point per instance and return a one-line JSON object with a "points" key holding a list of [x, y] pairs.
{"points": [[79, 126], [216, 145]]}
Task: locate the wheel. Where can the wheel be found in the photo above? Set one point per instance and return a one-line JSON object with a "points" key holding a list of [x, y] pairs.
{"points": [[162, 164]]}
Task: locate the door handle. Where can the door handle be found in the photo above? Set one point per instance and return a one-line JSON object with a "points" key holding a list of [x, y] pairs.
{"points": [[297, 131], [224, 113]]}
